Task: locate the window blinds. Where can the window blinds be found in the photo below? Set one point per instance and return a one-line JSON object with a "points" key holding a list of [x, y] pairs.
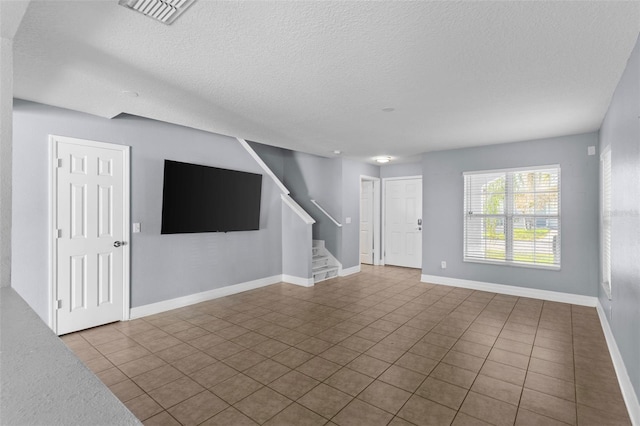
{"points": [[513, 216], [605, 220]]}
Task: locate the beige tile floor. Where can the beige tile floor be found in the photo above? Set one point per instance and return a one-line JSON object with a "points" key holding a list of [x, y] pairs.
{"points": [[375, 348]]}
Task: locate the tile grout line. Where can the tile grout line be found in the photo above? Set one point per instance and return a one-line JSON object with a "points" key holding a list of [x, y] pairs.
{"points": [[374, 379], [131, 379], [320, 382], [363, 353], [240, 372], [485, 360], [393, 363], [448, 349], [526, 375], [324, 302]]}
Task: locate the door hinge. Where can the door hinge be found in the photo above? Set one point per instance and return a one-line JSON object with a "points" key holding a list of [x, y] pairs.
{"points": [[59, 304], [58, 162], [58, 233]]}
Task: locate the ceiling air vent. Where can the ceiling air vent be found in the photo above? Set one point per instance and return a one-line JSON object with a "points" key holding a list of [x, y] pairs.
{"points": [[165, 11]]}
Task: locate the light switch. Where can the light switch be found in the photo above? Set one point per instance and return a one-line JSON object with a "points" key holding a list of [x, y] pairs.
{"points": [[347, 220], [591, 150], [136, 228]]}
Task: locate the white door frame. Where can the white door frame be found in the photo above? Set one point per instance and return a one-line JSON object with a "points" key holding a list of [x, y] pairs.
{"points": [[377, 252], [53, 219], [384, 208]]}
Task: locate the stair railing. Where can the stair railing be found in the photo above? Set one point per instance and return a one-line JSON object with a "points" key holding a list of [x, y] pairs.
{"points": [[338, 224], [290, 202]]}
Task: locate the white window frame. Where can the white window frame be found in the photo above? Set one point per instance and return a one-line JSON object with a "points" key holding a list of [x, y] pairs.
{"points": [[508, 216], [605, 220]]}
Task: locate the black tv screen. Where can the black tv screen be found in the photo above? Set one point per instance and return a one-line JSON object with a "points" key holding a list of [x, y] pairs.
{"points": [[199, 198]]}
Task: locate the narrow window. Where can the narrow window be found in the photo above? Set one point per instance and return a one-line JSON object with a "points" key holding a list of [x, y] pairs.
{"points": [[605, 219]]}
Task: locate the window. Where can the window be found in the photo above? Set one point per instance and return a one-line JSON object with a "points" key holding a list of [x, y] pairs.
{"points": [[605, 219], [512, 217]]}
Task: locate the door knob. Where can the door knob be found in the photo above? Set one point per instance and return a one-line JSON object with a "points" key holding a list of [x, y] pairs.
{"points": [[118, 243]]}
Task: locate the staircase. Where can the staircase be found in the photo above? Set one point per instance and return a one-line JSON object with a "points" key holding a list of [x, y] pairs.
{"points": [[323, 265]]}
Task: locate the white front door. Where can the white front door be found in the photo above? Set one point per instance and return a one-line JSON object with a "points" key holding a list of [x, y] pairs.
{"points": [[403, 222], [366, 222], [90, 220]]}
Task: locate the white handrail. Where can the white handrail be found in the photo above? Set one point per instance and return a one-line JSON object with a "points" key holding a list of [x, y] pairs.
{"points": [[297, 209], [338, 224], [262, 164]]}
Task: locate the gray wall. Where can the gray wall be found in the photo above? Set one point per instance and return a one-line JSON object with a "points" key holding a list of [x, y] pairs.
{"points": [[443, 212], [351, 172], [162, 266], [296, 244], [401, 170], [310, 177], [335, 184], [6, 91], [272, 156], [621, 132]]}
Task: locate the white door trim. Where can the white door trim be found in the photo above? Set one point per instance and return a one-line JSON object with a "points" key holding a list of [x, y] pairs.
{"points": [[377, 252], [126, 207], [384, 208]]}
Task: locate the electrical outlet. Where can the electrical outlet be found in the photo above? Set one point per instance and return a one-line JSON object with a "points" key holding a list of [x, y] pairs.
{"points": [[443, 264], [591, 150]]}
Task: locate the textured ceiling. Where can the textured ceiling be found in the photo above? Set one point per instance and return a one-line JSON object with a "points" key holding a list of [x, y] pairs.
{"points": [[315, 76], [11, 13]]}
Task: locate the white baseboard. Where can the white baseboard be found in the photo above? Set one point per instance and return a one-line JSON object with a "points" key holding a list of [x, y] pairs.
{"points": [[554, 296], [179, 302], [305, 282], [628, 392], [349, 271]]}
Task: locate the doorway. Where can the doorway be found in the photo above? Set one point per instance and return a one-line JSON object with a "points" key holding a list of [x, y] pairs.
{"points": [[369, 220], [403, 221], [90, 233]]}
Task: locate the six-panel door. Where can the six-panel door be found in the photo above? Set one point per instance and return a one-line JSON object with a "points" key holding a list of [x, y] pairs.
{"points": [[89, 211]]}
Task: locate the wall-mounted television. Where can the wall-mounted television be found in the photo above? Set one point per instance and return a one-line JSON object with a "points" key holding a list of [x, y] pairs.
{"points": [[198, 198]]}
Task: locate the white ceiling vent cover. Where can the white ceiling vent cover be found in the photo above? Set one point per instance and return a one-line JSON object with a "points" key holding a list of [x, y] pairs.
{"points": [[165, 11]]}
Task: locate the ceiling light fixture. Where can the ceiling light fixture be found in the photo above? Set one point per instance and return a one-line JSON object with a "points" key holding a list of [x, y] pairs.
{"points": [[165, 11], [383, 159], [337, 152]]}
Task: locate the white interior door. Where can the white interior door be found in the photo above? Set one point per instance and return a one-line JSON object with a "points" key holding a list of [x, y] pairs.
{"points": [[366, 222], [403, 222], [90, 220]]}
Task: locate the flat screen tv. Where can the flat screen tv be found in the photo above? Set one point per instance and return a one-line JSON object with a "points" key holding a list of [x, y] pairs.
{"points": [[199, 198]]}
